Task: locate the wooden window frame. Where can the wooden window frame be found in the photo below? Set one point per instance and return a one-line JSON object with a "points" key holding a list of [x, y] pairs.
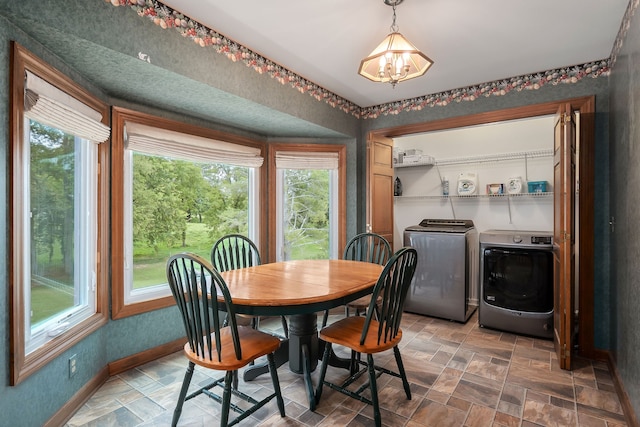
{"points": [[22, 365], [342, 188], [119, 116]]}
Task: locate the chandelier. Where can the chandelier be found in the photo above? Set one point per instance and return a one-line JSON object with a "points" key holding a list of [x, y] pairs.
{"points": [[395, 59]]}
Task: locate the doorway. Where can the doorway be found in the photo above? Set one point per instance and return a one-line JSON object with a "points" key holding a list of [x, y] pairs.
{"points": [[584, 207]]}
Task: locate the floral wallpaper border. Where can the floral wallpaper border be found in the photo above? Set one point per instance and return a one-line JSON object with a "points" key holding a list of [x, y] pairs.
{"points": [[165, 17], [624, 27]]}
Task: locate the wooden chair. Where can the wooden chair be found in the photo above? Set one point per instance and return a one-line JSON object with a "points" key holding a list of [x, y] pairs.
{"points": [[367, 247], [235, 251], [196, 287], [366, 335]]}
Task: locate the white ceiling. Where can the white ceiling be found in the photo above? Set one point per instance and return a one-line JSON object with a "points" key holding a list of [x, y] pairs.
{"points": [[470, 41]]}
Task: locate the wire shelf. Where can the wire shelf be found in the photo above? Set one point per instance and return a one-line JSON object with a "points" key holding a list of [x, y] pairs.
{"points": [[409, 165], [496, 157], [477, 196]]}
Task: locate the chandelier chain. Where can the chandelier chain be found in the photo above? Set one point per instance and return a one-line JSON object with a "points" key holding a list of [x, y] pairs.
{"points": [[393, 4], [394, 26]]}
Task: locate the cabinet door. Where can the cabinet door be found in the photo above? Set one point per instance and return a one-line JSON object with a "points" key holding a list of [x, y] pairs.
{"points": [[380, 187]]}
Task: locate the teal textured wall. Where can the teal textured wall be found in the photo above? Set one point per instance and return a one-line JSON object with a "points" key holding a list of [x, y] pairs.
{"points": [[625, 209]]}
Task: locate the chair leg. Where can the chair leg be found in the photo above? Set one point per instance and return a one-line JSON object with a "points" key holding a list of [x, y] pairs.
{"points": [[285, 327], [325, 318], [226, 398], [355, 362], [253, 324], [225, 322], [323, 370], [276, 382], [403, 375], [235, 380], [374, 391], [183, 392]]}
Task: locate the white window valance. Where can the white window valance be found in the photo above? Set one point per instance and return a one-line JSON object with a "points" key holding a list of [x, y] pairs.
{"points": [[306, 160], [161, 142], [50, 106]]}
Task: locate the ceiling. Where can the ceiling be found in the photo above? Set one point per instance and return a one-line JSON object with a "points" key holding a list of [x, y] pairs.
{"points": [[470, 41]]}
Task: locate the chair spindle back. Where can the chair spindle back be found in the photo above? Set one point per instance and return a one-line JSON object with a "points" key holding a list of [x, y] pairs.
{"points": [[234, 251], [195, 286], [368, 247], [392, 287]]}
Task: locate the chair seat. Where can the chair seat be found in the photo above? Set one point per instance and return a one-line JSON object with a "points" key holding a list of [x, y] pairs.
{"points": [[253, 342], [347, 332]]}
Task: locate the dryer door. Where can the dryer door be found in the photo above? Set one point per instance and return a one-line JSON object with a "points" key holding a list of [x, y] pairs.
{"points": [[518, 279]]}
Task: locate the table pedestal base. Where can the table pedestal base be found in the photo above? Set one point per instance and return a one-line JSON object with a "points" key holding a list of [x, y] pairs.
{"points": [[281, 357], [303, 332], [303, 350]]}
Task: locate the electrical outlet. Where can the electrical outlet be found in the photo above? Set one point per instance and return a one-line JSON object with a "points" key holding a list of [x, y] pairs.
{"points": [[73, 365]]}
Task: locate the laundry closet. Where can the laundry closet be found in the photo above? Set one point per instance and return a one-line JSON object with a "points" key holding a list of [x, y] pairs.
{"points": [[456, 187]]}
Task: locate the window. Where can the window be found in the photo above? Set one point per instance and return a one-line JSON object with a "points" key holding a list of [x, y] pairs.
{"points": [[61, 239], [309, 201], [180, 192], [58, 284]]}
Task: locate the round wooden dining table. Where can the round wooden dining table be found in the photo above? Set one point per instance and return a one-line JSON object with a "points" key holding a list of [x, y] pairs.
{"points": [[299, 289]]}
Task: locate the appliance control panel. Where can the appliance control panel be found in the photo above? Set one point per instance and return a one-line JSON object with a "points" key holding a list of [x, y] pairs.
{"points": [[517, 238], [541, 240]]}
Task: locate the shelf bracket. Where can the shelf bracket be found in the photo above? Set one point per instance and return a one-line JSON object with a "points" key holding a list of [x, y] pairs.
{"points": [[453, 212]]}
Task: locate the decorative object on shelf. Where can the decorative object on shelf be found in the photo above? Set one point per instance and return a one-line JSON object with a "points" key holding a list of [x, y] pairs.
{"points": [[413, 160], [397, 189], [537, 186], [467, 184], [494, 189], [398, 156], [395, 59], [445, 186], [412, 155], [514, 185]]}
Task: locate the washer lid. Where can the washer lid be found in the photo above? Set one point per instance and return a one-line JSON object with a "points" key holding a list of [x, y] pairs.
{"points": [[443, 225]]}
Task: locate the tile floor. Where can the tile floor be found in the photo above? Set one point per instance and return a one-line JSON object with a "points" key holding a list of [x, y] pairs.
{"points": [[460, 375]]}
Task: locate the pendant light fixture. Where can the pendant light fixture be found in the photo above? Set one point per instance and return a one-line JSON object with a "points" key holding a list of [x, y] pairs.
{"points": [[395, 59]]}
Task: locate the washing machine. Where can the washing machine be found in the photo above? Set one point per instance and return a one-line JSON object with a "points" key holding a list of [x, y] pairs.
{"points": [[446, 278], [516, 282]]}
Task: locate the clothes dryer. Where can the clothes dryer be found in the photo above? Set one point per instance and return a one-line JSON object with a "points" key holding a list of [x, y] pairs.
{"points": [[516, 282]]}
